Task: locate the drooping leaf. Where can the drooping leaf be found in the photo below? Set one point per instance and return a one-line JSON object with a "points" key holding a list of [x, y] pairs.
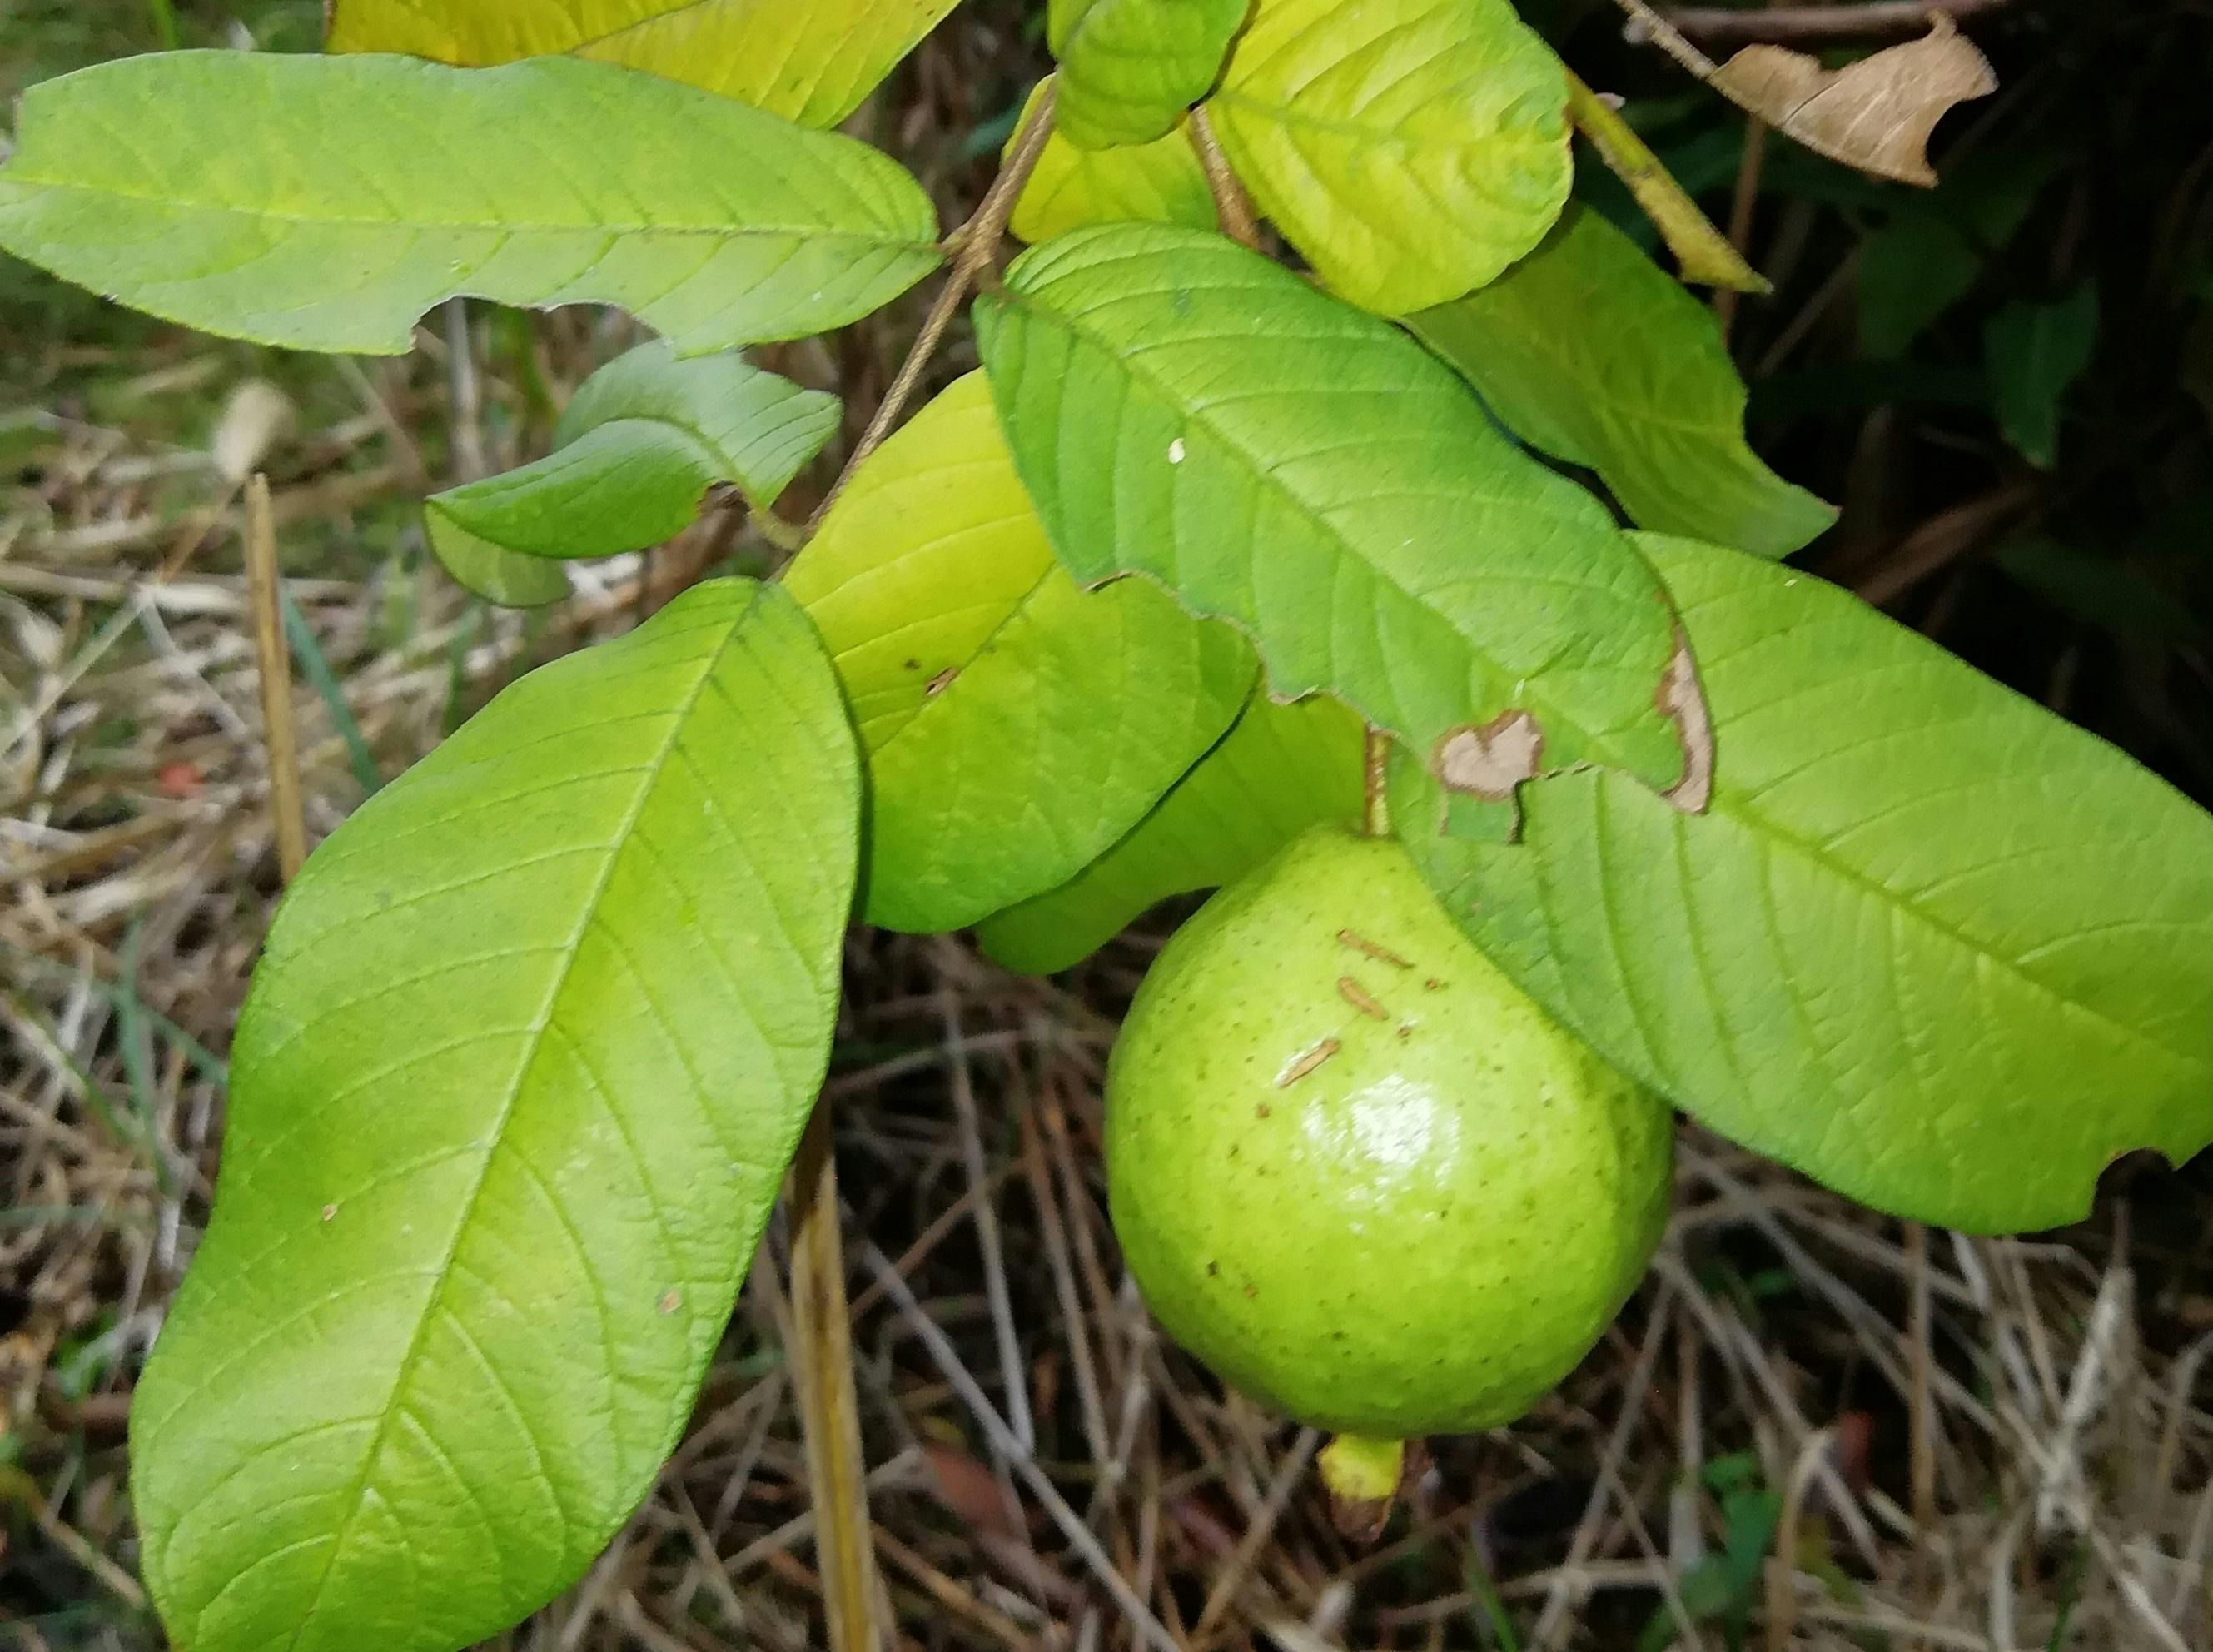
{"points": [[325, 203], [635, 451], [1015, 725], [812, 62], [1128, 69], [534, 1037], [2034, 353], [513, 579], [1278, 770], [1930, 944], [1411, 150], [1159, 182], [1875, 114], [1587, 350], [1182, 407], [1703, 254]]}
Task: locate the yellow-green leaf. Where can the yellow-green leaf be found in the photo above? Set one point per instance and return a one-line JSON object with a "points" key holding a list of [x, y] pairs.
{"points": [[530, 1046], [1159, 182], [1280, 770], [1410, 148], [1130, 68], [1589, 351], [812, 61], [1015, 725]]}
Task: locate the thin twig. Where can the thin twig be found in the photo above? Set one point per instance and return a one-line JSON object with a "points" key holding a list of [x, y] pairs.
{"points": [[974, 245], [1725, 26], [1012, 1373], [1921, 1404], [947, 1358], [1233, 207], [829, 1409], [1741, 210], [279, 737]]}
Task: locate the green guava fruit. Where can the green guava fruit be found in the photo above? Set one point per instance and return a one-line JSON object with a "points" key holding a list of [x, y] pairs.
{"points": [[1357, 1170]]}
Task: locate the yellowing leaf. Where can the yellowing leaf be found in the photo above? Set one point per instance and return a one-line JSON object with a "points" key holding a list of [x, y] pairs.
{"points": [[1015, 725], [1875, 114], [1159, 182], [1587, 350], [1411, 150], [812, 61], [1130, 68]]}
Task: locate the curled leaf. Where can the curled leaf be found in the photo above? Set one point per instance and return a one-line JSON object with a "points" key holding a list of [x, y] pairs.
{"points": [[1875, 114]]}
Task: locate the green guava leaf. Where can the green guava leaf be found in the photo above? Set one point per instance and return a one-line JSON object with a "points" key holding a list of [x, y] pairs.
{"points": [[1590, 352], [1160, 182], [325, 203], [1128, 69], [513, 579], [813, 63], [2036, 353], [1930, 944], [533, 1040], [1015, 724], [1279, 770], [1182, 407], [1411, 150], [635, 451]]}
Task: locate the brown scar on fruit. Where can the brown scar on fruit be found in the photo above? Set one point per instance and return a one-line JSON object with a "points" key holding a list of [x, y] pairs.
{"points": [[1488, 760], [1683, 702], [1349, 991], [1307, 1062], [941, 682], [1262, 1111], [1382, 954]]}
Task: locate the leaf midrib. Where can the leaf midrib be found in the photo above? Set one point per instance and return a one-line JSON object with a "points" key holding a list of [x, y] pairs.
{"points": [[26, 185], [650, 776]]}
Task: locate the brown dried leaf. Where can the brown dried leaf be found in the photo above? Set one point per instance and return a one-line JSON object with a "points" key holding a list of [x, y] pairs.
{"points": [[1875, 114]]}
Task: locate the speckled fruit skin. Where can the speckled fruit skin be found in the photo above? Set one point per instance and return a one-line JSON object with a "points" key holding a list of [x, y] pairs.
{"points": [[1423, 1233]]}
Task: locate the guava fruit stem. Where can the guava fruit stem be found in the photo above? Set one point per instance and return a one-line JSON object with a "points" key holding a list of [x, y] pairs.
{"points": [[1362, 1476], [1376, 818]]}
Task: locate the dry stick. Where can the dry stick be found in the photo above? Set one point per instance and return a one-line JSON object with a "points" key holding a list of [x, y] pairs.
{"points": [[1922, 1403], [829, 1409], [275, 659], [1830, 23], [1740, 208], [1012, 1373], [973, 245], [1233, 207], [1239, 1566]]}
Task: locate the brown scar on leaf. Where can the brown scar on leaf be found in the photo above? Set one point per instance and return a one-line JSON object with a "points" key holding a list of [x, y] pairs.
{"points": [[939, 683], [1875, 114], [1683, 702], [1307, 1062], [1361, 944], [1490, 760], [1349, 991]]}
